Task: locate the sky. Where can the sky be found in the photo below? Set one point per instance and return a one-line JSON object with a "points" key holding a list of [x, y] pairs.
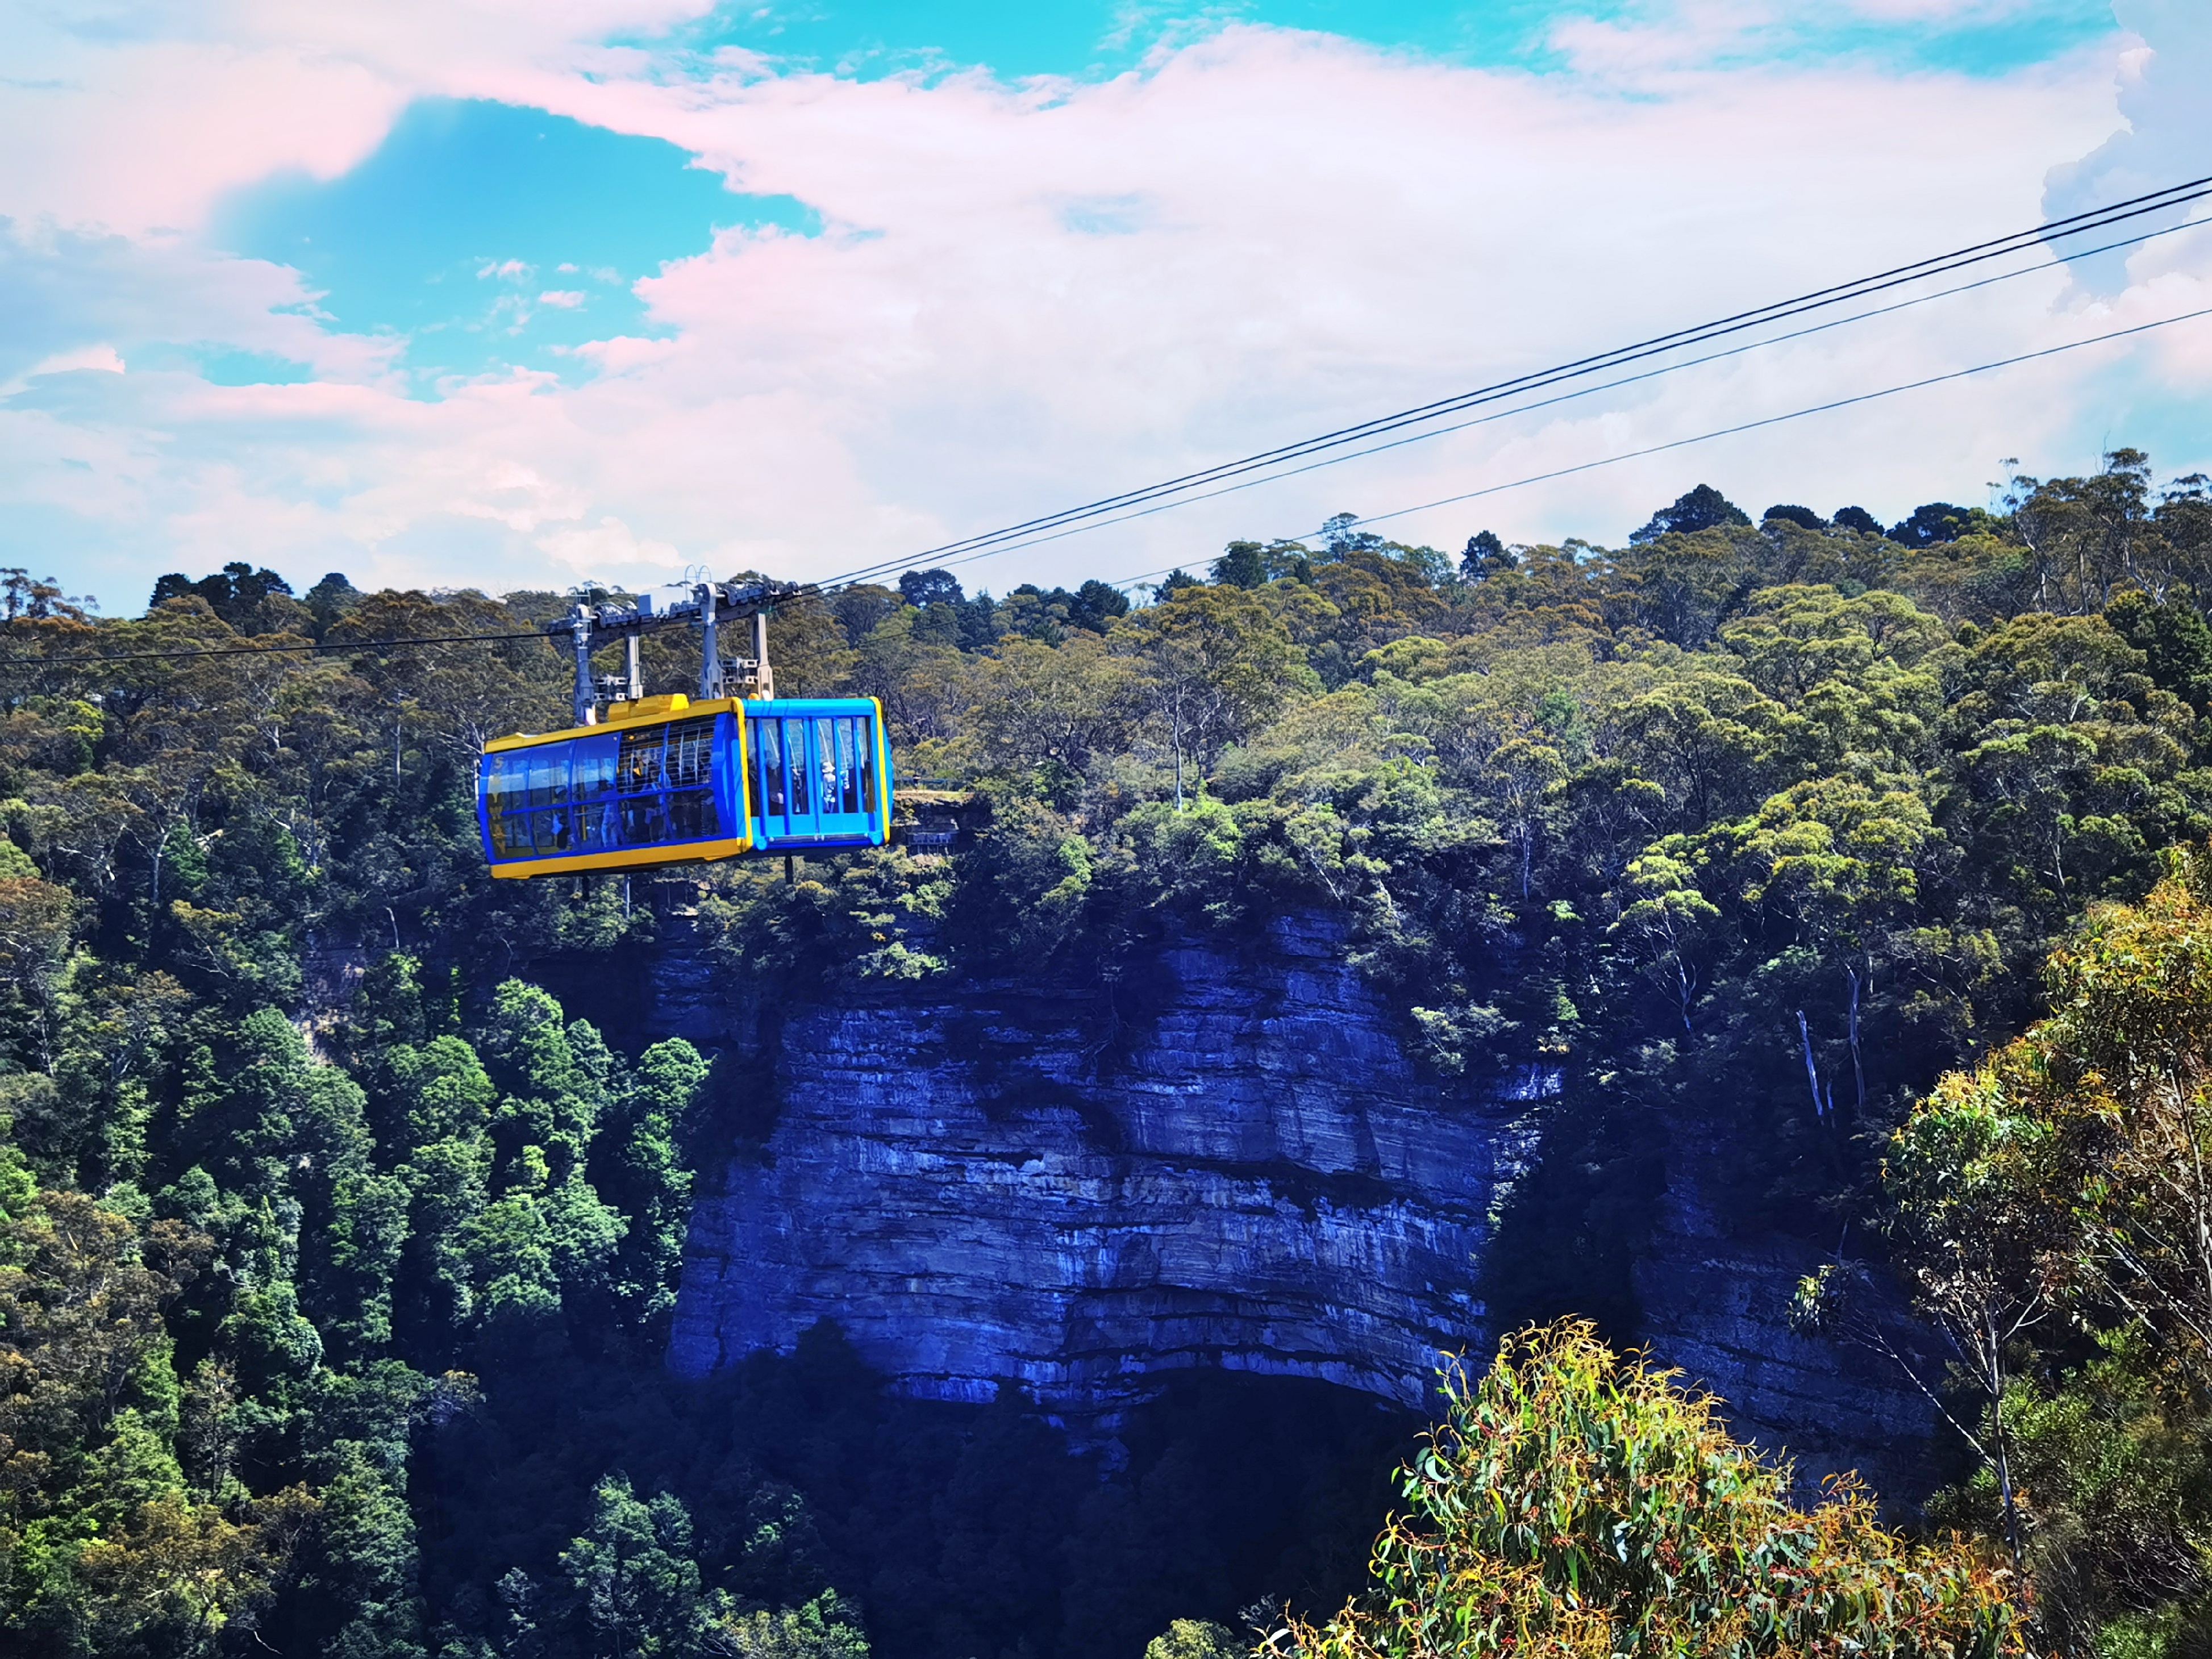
{"points": [[511, 293]]}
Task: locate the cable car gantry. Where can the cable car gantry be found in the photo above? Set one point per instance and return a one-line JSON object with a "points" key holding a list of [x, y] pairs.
{"points": [[638, 782]]}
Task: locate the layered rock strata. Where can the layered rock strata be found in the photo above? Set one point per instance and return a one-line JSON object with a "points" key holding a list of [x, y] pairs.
{"points": [[1000, 1185], [1233, 1163]]}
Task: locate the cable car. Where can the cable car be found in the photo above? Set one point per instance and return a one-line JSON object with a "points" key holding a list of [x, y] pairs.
{"points": [[672, 780], [668, 780]]}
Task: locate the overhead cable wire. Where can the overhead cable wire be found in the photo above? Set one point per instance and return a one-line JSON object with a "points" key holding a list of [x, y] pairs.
{"points": [[1938, 265], [1528, 408], [1124, 581], [1730, 431]]}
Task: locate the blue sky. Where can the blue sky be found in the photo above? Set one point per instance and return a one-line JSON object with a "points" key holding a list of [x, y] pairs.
{"points": [[468, 295], [1015, 40], [484, 233]]}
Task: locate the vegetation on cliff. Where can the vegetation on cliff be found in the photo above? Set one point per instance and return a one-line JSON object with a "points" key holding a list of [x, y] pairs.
{"points": [[1574, 1504], [337, 1255]]}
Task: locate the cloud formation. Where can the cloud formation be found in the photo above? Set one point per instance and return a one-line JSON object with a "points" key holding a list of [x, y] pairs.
{"points": [[1024, 296]]}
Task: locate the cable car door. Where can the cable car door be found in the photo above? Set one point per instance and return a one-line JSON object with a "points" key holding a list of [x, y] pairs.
{"points": [[818, 779]]}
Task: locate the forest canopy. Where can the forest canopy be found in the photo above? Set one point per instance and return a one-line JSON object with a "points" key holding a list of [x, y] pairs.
{"points": [[338, 1235]]}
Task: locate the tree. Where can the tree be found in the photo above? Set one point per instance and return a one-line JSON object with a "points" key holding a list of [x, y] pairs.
{"points": [[105, 1549], [1194, 1638], [1702, 508], [330, 599], [1484, 556], [1933, 522], [923, 588], [1857, 519], [38, 924], [653, 1181], [234, 593], [1803, 516], [1668, 920], [1242, 564], [2175, 640], [632, 1575], [2119, 1078], [1969, 1219], [1056, 707], [1215, 661], [1574, 1504], [1097, 606]]}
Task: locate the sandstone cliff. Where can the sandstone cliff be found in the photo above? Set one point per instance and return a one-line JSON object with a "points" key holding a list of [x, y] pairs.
{"points": [[1231, 1163]]}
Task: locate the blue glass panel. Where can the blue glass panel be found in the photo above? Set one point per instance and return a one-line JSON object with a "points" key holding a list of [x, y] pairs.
{"points": [[637, 766], [795, 757], [591, 766], [550, 832], [691, 815], [507, 776], [644, 820], [595, 827], [767, 737], [549, 774]]}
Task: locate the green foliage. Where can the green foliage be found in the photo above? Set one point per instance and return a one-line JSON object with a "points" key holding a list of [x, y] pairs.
{"points": [[1194, 1638], [632, 1575], [1573, 1503]]}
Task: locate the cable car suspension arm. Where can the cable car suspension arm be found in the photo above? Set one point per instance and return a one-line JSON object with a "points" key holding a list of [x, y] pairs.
{"points": [[591, 625]]}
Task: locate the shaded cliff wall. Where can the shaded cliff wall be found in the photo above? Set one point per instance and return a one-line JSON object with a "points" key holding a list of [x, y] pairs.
{"points": [[1227, 1160]]}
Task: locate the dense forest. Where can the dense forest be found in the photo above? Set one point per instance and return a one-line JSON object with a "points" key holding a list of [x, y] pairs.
{"points": [[336, 1254]]}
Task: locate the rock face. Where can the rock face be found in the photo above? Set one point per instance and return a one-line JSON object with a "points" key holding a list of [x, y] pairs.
{"points": [[1716, 1307], [990, 1188], [1241, 1169]]}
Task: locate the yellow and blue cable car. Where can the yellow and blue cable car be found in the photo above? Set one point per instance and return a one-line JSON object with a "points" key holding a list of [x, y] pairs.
{"points": [[669, 780]]}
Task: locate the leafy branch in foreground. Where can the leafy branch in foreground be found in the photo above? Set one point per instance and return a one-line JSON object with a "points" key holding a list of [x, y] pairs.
{"points": [[1575, 1503]]}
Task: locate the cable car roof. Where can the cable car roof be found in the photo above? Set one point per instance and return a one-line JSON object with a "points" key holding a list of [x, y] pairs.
{"points": [[674, 706]]}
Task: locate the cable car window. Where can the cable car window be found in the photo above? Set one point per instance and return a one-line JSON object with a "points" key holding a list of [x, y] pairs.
{"points": [[690, 752], [592, 767], [848, 783], [638, 766], [519, 781], [550, 830], [794, 733], [825, 752], [691, 814], [770, 733], [866, 728], [510, 778], [549, 776], [644, 820], [595, 827]]}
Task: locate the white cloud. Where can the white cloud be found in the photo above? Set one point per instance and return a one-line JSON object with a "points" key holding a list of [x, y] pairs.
{"points": [[2168, 136], [1026, 297], [103, 358], [567, 299]]}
